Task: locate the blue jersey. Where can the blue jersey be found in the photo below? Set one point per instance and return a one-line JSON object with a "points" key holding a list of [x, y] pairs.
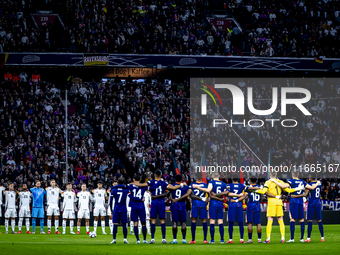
{"points": [[120, 193], [314, 195], [197, 192], [38, 197], [175, 194], [217, 187], [137, 193], [253, 200], [236, 188], [157, 187], [294, 183]]}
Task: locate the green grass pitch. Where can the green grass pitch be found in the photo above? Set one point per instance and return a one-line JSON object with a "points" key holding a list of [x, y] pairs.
{"points": [[82, 244]]}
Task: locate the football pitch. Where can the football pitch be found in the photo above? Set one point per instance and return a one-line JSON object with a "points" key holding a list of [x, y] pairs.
{"points": [[83, 244]]}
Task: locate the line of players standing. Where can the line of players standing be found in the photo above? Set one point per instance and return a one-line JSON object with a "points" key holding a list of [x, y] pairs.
{"points": [[72, 203]]}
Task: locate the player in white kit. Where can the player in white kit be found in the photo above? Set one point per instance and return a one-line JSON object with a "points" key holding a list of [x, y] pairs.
{"points": [[52, 194], [25, 197], [147, 204], [99, 197], [83, 208], [10, 211], [2, 189], [68, 208]]}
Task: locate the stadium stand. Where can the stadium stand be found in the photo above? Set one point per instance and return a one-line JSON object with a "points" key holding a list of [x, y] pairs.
{"points": [[288, 29]]}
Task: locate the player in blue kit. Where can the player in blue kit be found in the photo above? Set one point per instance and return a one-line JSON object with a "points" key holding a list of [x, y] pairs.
{"points": [[216, 187], [296, 205], [137, 207], [38, 194], [198, 209], [119, 193], [235, 209], [253, 213], [159, 190], [178, 208], [314, 207]]}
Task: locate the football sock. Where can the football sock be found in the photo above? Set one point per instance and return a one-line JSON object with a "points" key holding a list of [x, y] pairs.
{"points": [[6, 225], [148, 225], [71, 225], [193, 230], [115, 227], [78, 228], [184, 231], [310, 227], [33, 223], [64, 226], [13, 225], [144, 232], [302, 228], [153, 230], [282, 229], [27, 224], [111, 226], [205, 230], [103, 226], [174, 231], [321, 228], [163, 230], [269, 228], [135, 229], [240, 225], [95, 224], [250, 236], [88, 229], [221, 231], [231, 228], [132, 225], [56, 225], [292, 229], [125, 230], [41, 225], [20, 223], [212, 232], [259, 235], [49, 224]]}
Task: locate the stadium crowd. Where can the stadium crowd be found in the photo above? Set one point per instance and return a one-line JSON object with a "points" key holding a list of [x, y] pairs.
{"points": [[294, 29]]}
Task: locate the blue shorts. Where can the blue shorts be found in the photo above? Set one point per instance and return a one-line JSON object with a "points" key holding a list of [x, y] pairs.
{"points": [[311, 210], [157, 208], [296, 211], [179, 215], [216, 212], [253, 217], [138, 212], [234, 212], [198, 211], [119, 217], [38, 212]]}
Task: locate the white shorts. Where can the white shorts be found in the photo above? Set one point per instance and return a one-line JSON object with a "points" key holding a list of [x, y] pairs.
{"points": [[101, 211], [10, 213], [24, 212], [84, 213], [69, 214], [53, 209], [109, 213]]}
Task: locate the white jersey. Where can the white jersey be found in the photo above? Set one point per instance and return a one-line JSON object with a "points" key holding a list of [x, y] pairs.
{"points": [[10, 199], [83, 200], [99, 198], [25, 199], [52, 195], [147, 201], [2, 189], [69, 200]]}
